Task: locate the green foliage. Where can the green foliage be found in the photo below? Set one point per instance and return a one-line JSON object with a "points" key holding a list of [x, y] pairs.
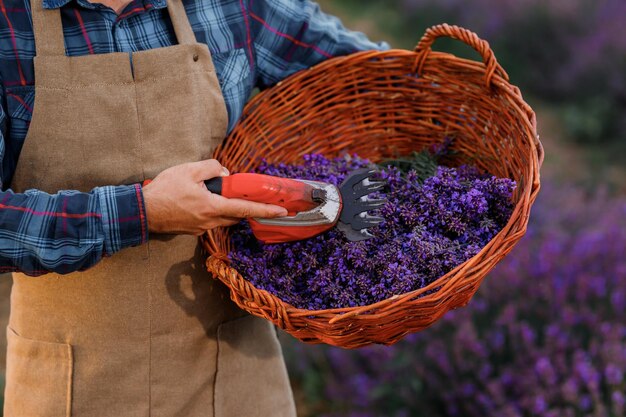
{"points": [[424, 164]]}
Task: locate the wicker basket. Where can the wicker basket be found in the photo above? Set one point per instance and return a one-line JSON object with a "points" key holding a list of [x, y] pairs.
{"points": [[381, 105]]}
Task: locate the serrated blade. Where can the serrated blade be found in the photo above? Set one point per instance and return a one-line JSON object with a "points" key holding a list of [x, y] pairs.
{"points": [[355, 219]]}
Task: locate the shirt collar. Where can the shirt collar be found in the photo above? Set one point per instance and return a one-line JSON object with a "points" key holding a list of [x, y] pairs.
{"points": [[55, 4]]}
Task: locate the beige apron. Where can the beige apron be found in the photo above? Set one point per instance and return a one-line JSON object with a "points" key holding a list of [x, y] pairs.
{"points": [[146, 332]]}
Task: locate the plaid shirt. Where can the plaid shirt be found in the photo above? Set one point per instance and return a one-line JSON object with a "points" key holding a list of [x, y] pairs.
{"points": [[253, 43]]}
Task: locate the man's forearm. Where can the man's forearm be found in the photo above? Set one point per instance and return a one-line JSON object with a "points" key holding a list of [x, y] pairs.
{"points": [[68, 231]]}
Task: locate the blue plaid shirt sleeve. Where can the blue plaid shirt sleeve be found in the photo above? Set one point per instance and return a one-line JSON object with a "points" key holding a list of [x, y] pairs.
{"points": [[292, 35], [71, 231], [67, 231]]}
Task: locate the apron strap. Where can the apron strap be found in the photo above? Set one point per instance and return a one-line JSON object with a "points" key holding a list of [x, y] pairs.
{"points": [[47, 29], [180, 21]]}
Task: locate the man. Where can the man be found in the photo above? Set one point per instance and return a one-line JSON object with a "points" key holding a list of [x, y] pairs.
{"points": [[112, 312]]}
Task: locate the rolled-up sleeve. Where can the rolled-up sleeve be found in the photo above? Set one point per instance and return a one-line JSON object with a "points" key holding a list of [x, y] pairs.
{"points": [[291, 35]]}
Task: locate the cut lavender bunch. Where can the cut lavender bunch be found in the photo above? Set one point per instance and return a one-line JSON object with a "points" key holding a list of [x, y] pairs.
{"points": [[430, 226]]}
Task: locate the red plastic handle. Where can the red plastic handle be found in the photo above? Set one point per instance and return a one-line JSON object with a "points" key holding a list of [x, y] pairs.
{"points": [[292, 194]]}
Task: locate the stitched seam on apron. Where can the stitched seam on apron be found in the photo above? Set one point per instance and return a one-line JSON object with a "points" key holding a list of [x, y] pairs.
{"points": [[149, 80], [150, 285], [70, 382], [139, 134]]}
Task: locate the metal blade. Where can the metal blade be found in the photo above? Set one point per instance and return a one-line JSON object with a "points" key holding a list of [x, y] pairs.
{"points": [[352, 234], [363, 222], [366, 187], [355, 219], [367, 205]]}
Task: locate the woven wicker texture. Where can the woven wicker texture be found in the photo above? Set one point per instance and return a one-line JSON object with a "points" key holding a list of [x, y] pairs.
{"points": [[383, 105]]}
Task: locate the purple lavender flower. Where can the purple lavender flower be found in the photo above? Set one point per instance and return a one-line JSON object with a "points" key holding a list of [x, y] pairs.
{"points": [[430, 226], [544, 336]]}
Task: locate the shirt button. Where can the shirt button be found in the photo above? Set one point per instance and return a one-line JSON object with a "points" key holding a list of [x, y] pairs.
{"points": [[195, 57]]}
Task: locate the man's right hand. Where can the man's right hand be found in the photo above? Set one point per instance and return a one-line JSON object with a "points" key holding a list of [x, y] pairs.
{"points": [[177, 201]]}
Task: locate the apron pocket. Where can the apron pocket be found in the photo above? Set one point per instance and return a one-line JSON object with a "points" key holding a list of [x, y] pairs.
{"points": [[38, 378], [251, 375]]}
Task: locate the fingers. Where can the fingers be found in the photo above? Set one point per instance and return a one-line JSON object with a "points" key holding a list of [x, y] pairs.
{"points": [[226, 221], [209, 168], [214, 223], [234, 207], [219, 222]]}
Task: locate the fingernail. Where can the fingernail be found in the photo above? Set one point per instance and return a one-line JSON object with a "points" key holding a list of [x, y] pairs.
{"points": [[281, 211], [225, 172]]}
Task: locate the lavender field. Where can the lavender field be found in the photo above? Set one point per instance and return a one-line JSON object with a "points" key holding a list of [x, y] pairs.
{"points": [[568, 53], [545, 335]]}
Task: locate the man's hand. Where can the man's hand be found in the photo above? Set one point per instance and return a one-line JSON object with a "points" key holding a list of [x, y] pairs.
{"points": [[177, 201]]}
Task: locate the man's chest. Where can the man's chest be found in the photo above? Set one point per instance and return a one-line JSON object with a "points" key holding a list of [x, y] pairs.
{"points": [[96, 29], [116, 5], [93, 28]]}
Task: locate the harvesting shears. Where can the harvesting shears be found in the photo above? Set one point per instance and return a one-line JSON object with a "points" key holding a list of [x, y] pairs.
{"points": [[313, 207]]}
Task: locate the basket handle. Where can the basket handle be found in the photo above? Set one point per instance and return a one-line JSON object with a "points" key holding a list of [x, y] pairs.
{"points": [[468, 37]]}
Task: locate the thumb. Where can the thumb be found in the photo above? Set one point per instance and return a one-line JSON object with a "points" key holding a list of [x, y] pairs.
{"points": [[204, 170]]}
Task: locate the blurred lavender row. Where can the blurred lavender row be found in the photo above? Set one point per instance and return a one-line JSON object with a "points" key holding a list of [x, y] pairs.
{"points": [[568, 41], [569, 53], [545, 335]]}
